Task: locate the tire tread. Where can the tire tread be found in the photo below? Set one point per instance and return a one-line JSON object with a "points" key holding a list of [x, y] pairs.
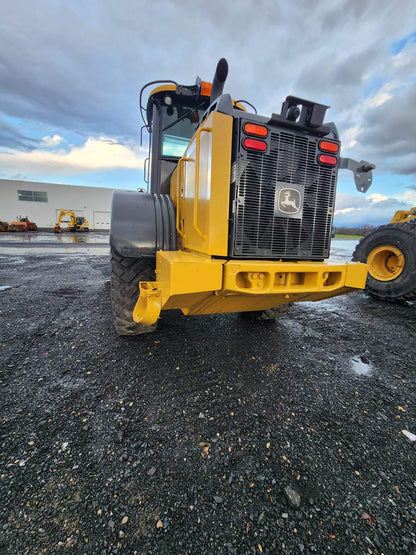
{"points": [[125, 276], [387, 235]]}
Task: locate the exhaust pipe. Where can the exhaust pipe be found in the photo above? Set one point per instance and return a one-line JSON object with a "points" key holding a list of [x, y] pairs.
{"points": [[219, 79]]}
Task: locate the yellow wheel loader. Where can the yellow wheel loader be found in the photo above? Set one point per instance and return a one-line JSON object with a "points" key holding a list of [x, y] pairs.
{"points": [[239, 213], [75, 223], [390, 253]]}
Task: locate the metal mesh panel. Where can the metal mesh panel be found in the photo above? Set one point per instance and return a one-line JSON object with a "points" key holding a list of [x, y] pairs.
{"points": [[258, 232]]}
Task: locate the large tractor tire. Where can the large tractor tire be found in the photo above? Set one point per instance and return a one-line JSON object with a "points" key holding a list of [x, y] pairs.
{"points": [[125, 276], [390, 253]]}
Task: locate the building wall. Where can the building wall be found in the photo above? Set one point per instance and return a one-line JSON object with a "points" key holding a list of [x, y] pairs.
{"points": [[94, 203]]}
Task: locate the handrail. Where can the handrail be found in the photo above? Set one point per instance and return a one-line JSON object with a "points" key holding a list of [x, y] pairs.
{"points": [[178, 195], [179, 229], [146, 171], [196, 196]]}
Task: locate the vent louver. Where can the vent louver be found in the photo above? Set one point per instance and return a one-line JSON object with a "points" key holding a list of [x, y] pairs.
{"points": [[299, 227]]}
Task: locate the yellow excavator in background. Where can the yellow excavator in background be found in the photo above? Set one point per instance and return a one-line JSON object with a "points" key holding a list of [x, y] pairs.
{"points": [[390, 254], [75, 223]]}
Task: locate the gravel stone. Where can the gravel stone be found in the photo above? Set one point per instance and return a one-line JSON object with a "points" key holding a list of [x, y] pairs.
{"points": [[287, 383], [292, 496]]}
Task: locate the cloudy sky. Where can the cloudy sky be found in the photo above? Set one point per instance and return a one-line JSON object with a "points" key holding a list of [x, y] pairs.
{"points": [[71, 71]]}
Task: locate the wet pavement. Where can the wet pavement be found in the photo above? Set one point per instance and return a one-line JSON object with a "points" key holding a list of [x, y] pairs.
{"points": [[41, 242], [341, 250], [97, 243]]}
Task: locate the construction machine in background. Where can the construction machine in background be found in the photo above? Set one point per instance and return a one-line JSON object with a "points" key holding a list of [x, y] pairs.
{"points": [[75, 223], [22, 223], [239, 213], [390, 254]]}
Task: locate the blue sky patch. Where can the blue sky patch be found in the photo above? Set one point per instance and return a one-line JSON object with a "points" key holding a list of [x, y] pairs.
{"points": [[398, 46]]}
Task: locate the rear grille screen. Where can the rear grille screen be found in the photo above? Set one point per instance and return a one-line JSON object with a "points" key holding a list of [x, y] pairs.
{"points": [[284, 200]]}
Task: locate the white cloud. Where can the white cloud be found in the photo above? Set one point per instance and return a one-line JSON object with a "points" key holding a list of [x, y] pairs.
{"points": [[344, 211], [376, 209], [409, 197], [355, 117], [405, 60], [52, 141], [349, 136], [93, 155], [378, 99], [377, 197], [382, 95]]}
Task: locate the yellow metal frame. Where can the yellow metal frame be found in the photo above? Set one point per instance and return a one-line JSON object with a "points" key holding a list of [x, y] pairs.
{"points": [[180, 191], [198, 284], [199, 278], [403, 216], [196, 199], [200, 188], [179, 195]]}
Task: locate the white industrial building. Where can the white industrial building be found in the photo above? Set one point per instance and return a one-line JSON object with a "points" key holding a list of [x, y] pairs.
{"points": [[41, 202]]}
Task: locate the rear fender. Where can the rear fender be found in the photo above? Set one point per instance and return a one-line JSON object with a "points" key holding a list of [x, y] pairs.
{"points": [[142, 224]]}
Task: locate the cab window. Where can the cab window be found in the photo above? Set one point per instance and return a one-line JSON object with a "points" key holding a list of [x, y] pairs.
{"points": [[179, 123]]}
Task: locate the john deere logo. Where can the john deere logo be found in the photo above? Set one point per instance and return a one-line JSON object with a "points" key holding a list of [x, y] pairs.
{"points": [[289, 201]]}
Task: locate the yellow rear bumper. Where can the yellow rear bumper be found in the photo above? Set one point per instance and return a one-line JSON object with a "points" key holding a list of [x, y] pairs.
{"points": [[202, 285]]}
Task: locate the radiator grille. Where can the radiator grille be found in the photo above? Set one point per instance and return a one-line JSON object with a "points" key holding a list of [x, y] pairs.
{"points": [[258, 232]]}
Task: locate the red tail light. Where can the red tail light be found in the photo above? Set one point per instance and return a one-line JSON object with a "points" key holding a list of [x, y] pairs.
{"points": [[328, 146], [327, 160], [255, 144], [253, 129]]}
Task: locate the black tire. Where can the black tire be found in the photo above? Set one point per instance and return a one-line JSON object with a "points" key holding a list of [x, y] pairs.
{"points": [[401, 286], [266, 315], [125, 276]]}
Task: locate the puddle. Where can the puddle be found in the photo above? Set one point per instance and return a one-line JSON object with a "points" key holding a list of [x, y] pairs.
{"points": [[341, 250], [44, 237], [44, 242], [361, 366], [73, 239], [69, 250]]}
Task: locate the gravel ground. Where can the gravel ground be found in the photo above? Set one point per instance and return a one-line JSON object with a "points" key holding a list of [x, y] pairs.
{"points": [[213, 435]]}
